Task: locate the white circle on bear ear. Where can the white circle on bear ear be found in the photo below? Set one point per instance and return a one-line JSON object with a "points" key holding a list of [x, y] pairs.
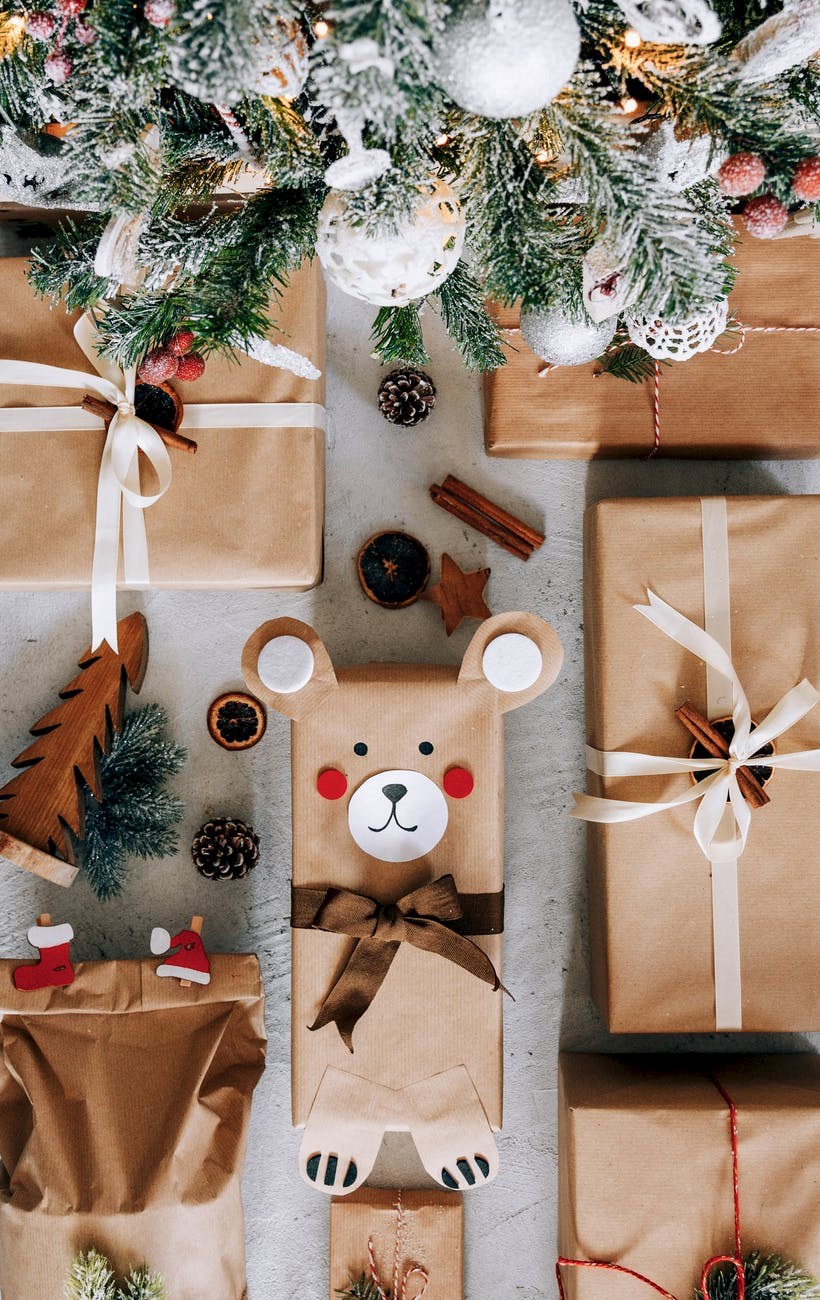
{"points": [[512, 662], [286, 664]]}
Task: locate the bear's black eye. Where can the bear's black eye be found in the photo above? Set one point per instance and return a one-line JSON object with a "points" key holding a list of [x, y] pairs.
{"points": [[360, 748], [425, 747]]}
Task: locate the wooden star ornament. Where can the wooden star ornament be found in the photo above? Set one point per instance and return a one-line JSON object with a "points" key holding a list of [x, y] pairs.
{"points": [[458, 594]]}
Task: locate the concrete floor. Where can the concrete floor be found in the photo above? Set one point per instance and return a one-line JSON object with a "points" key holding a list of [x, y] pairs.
{"points": [[377, 476]]}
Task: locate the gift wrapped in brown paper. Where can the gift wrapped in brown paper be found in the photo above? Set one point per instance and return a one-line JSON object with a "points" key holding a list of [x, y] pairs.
{"points": [[124, 1106], [245, 511], [404, 1244], [647, 1151], [398, 875], [757, 402], [703, 883]]}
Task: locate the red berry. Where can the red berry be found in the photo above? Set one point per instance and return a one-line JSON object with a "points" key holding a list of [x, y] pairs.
{"points": [[71, 7], [58, 68], [741, 174], [806, 180], [765, 217], [40, 25], [190, 367], [181, 342], [158, 366], [159, 12], [85, 35]]}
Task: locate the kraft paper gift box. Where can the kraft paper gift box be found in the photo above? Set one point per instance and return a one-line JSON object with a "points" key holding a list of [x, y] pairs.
{"points": [[397, 939], [665, 914], [124, 1107], [759, 403], [645, 1168], [245, 511], [412, 1239]]}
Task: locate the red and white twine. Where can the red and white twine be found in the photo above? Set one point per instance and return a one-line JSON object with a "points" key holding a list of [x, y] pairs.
{"points": [[401, 1280], [736, 1260]]}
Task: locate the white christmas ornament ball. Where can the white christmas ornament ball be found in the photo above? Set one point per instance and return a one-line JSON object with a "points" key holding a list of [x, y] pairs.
{"points": [[565, 340], [507, 58], [392, 267]]}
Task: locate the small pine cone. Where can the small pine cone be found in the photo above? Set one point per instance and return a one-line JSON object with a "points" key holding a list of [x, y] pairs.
{"points": [[765, 217], [225, 849], [806, 180], [741, 174], [406, 397]]}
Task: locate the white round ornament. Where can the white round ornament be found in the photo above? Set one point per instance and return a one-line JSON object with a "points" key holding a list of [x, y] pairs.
{"points": [[507, 58], [512, 662], [565, 340], [392, 267], [28, 177], [783, 41], [286, 664], [359, 166], [678, 341], [672, 22]]}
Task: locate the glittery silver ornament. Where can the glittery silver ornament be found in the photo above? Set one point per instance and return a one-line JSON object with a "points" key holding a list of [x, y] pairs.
{"points": [[565, 340], [507, 58], [393, 267], [681, 163], [28, 177], [672, 22], [783, 41]]}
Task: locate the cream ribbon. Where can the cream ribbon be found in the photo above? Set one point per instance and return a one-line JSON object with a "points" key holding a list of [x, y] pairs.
{"points": [[120, 502], [722, 820]]}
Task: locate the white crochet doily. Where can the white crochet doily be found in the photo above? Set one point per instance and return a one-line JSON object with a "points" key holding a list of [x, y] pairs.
{"points": [[678, 341]]}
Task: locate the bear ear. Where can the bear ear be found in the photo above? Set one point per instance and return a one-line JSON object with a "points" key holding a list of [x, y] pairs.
{"points": [[516, 656], [285, 664]]}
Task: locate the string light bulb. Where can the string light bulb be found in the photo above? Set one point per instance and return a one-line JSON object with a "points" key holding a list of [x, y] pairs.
{"points": [[542, 157], [632, 39], [321, 28], [442, 140], [629, 104]]}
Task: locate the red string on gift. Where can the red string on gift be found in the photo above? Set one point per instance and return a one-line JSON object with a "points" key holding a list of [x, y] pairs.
{"points": [[735, 1260], [401, 1281]]}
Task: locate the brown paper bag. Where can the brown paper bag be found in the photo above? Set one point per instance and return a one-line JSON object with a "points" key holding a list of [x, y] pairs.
{"points": [[412, 1237], [425, 1054], [246, 511], [124, 1105], [758, 403], [645, 1167], [650, 884]]}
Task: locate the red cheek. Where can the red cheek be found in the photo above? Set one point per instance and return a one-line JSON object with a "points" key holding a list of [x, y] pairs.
{"points": [[331, 783], [458, 782]]}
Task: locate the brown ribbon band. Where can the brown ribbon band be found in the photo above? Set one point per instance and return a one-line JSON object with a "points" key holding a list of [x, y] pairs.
{"points": [[433, 918]]}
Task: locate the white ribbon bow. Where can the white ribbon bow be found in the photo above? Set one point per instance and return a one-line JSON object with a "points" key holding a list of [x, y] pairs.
{"points": [[714, 790], [120, 502]]}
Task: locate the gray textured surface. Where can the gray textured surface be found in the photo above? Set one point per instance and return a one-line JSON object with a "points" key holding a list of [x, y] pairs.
{"points": [[377, 476]]}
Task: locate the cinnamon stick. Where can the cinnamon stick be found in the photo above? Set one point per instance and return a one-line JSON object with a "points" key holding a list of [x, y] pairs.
{"points": [[106, 410], [495, 512], [476, 520], [710, 739]]}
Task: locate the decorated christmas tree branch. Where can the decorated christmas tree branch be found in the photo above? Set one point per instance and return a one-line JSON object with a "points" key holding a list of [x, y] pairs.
{"points": [[92, 1278]]}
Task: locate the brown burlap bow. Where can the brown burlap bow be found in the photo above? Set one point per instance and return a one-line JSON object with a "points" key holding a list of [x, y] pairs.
{"points": [[423, 918]]}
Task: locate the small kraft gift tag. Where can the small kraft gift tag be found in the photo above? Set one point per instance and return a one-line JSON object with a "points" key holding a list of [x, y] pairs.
{"points": [[397, 1245]]}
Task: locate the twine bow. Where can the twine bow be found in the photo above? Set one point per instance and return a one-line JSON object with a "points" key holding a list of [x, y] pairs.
{"points": [[422, 918], [736, 1260], [120, 501], [401, 1280], [713, 792]]}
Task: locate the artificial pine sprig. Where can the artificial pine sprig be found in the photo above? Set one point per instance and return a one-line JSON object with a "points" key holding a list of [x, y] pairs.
{"points": [[91, 1277], [360, 1290], [768, 1277], [137, 817]]}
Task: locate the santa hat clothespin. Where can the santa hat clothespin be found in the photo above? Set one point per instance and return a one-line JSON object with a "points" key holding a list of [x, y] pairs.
{"points": [[54, 969], [190, 964]]}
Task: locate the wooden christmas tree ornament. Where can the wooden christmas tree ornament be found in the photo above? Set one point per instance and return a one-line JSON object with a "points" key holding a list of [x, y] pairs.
{"points": [[42, 808]]}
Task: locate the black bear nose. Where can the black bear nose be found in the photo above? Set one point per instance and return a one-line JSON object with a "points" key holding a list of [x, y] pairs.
{"points": [[394, 792]]}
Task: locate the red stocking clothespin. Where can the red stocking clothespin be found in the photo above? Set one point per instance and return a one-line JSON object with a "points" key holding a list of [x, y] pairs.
{"points": [[54, 969]]}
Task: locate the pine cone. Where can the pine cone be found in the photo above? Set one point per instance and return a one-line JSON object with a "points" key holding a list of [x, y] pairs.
{"points": [[406, 397], [225, 849]]}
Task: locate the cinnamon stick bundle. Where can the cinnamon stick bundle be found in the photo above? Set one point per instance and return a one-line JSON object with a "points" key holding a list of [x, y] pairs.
{"points": [[468, 505], [710, 739], [106, 410]]}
